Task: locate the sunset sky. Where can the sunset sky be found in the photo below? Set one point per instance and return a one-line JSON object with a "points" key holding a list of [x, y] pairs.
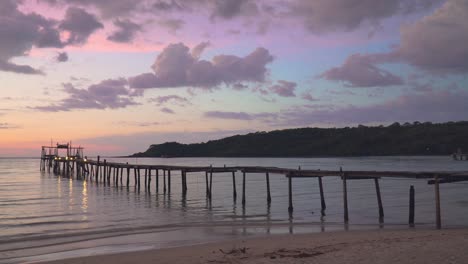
{"points": [[115, 76]]}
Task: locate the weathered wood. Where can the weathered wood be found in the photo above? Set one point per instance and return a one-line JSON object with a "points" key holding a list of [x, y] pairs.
{"points": [[379, 198], [157, 180], [234, 191], [290, 207], [128, 177], [437, 202], [149, 180], [169, 181], [138, 178], [211, 184], [164, 181], [146, 179], [243, 188], [268, 188], [322, 197], [345, 198], [207, 186], [411, 206]]}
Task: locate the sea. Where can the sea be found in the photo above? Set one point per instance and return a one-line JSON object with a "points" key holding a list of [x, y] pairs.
{"points": [[47, 217]]}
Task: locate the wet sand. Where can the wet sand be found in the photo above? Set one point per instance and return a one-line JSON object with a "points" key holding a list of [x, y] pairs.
{"points": [[380, 246]]}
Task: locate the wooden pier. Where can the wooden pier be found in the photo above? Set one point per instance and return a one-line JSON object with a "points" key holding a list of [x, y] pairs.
{"points": [[102, 171]]}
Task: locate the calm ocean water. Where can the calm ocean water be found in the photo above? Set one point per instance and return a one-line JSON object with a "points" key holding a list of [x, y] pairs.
{"points": [[44, 216]]}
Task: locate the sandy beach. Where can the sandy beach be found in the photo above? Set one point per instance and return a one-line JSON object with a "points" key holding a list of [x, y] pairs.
{"points": [[379, 246]]}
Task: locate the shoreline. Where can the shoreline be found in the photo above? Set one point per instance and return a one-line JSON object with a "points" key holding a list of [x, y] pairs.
{"points": [[370, 246]]}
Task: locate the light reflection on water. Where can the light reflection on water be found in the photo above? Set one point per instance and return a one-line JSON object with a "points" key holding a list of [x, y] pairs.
{"points": [[37, 206]]}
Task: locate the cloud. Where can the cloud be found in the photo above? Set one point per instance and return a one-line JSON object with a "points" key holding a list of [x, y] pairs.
{"points": [[80, 25], [228, 115], [108, 94], [198, 49], [161, 100], [438, 41], [228, 9], [167, 110], [19, 32], [172, 25], [284, 88], [62, 57], [433, 106], [359, 71], [126, 31], [176, 67], [7, 126], [107, 8], [323, 16], [308, 96]]}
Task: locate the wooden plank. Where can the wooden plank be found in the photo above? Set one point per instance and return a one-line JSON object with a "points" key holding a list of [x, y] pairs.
{"points": [[234, 191], [411, 206], [379, 198], [268, 188], [322, 197], [345, 198]]}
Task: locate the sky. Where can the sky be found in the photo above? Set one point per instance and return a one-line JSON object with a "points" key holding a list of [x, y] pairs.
{"points": [[115, 76]]}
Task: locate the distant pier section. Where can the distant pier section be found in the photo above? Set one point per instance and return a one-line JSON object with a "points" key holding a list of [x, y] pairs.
{"points": [[459, 155], [60, 158]]}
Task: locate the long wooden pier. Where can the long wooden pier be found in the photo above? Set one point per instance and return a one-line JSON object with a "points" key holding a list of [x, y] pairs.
{"points": [[120, 173]]}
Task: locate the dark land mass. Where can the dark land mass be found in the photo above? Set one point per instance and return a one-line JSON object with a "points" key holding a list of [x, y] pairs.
{"points": [[396, 139]]}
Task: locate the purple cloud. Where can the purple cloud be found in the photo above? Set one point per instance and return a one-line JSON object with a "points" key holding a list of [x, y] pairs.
{"points": [[167, 110], [171, 24], [161, 100], [322, 16], [176, 67], [111, 93], [62, 57], [359, 71], [107, 8], [80, 24], [228, 115], [125, 32], [308, 96], [284, 88]]}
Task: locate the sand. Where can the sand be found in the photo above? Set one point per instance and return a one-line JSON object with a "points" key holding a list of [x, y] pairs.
{"points": [[379, 246]]}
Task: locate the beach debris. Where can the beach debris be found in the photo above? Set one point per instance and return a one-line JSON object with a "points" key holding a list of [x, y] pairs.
{"points": [[292, 253]]}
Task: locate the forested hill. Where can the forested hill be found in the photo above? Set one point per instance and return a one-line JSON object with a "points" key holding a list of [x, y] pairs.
{"points": [[396, 139]]}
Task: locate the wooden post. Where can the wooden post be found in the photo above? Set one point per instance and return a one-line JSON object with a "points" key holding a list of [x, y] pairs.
{"points": [[121, 176], [128, 176], [169, 181], [437, 202], [206, 182], [135, 176], [379, 198], [185, 182], [146, 178], [322, 197], [290, 208], [243, 188], [211, 183], [149, 180], [182, 181], [345, 196], [105, 171], [164, 181], [268, 188], [138, 178], [411, 206], [157, 180], [234, 191]]}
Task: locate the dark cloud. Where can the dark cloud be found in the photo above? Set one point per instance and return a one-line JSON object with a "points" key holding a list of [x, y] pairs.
{"points": [[172, 25], [284, 88], [359, 71], [176, 67], [167, 110], [62, 57], [19, 32], [161, 100], [107, 8], [126, 31], [322, 16], [80, 25], [228, 9], [24, 69], [111, 93]]}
